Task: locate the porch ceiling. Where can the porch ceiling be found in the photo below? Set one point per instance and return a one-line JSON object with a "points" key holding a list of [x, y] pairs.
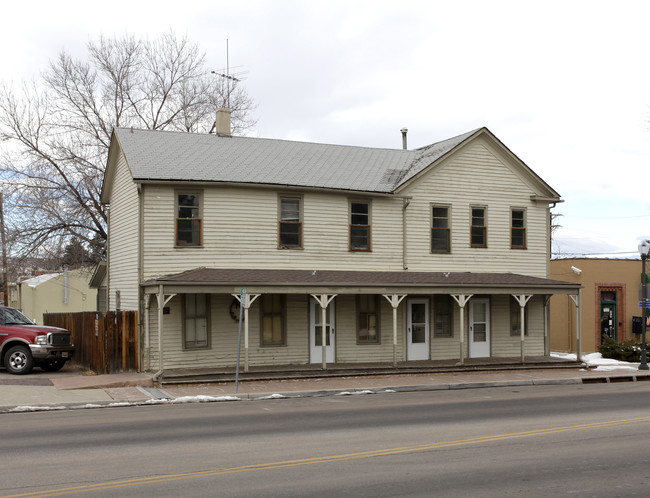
{"points": [[231, 280]]}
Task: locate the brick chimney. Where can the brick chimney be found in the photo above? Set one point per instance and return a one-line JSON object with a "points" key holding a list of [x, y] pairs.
{"points": [[222, 124]]}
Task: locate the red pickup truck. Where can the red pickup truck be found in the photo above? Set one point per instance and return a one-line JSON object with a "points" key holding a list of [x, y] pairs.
{"points": [[23, 344]]}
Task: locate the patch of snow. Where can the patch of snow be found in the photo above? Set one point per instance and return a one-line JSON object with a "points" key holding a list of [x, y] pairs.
{"points": [[350, 393], [203, 399], [273, 396], [596, 360], [41, 279], [35, 408]]}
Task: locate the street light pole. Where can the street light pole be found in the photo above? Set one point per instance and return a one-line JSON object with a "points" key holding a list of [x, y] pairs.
{"points": [[644, 248]]}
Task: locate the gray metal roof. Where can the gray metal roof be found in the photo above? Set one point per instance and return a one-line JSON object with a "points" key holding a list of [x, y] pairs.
{"points": [[177, 156]]}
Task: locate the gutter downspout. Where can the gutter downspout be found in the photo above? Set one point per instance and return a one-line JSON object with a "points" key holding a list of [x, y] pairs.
{"points": [[65, 286], [140, 353], [405, 203]]}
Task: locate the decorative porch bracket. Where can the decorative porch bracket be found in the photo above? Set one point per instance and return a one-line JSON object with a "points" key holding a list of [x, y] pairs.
{"points": [[248, 300], [162, 299], [462, 300], [522, 300], [324, 300], [394, 300], [577, 300]]}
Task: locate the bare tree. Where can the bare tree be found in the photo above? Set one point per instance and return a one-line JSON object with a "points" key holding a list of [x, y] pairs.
{"points": [[54, 136]]}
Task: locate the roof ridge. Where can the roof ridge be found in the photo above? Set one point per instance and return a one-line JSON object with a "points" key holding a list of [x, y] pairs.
{"points": [[243, 137]]}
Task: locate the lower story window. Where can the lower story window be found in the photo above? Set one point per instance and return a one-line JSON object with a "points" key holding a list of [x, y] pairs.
{"points": [[515, 318], [196, 321], [442, 313], [273, 320], [368, 319]]}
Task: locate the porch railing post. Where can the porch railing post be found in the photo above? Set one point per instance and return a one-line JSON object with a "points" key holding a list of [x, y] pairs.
{"points": [[395, 300], [522, 300], [462, 300]]}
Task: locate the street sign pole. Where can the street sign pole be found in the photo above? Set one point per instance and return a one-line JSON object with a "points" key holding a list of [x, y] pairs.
{"points": [[242, 301]]}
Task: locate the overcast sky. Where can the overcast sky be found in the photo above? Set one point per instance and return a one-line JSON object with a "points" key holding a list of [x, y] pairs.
{"points": [[564, 84]]}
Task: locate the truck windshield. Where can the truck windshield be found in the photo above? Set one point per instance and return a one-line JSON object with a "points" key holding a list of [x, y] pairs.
{"points": [[10, 316]]}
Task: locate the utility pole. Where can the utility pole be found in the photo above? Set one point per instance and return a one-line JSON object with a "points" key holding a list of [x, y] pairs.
{"points": [[5, 287]]}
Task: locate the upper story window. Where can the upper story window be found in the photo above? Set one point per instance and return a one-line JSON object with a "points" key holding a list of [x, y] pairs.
{"points": [[360, 226], [290, 222], [478, 230], [518, 228], [440, 229], [189, 219]]}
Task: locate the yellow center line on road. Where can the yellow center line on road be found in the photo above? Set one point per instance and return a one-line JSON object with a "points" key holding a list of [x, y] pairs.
{"points": [[326, 459]]}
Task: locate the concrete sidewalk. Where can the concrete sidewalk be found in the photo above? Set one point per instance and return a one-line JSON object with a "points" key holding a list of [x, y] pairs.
{"points": [[76, 390]]}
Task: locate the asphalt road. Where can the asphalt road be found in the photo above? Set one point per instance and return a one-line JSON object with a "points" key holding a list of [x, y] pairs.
{"points": [[582, 440]]}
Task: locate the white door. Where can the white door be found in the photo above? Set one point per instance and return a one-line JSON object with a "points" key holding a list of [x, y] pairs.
{"points": [[479, 328], [316, 329], [417, 329]]}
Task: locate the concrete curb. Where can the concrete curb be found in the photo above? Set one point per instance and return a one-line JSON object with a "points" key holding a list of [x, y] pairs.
{"points": [[160, 396]]}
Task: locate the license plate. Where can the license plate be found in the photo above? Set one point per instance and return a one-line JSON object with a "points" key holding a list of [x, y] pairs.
{"points": [[64, 354]]}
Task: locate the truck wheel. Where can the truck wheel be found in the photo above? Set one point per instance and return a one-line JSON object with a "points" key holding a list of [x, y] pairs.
{"points": [[18, 360], [52, 365]]}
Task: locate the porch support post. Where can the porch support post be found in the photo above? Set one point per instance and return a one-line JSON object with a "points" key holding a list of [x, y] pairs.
{"points": [[547, 326], [395, 300], [577, 300], [324, 300], [248, 300], [522, 300], [462, 300], [162, 301], [147, 332]]}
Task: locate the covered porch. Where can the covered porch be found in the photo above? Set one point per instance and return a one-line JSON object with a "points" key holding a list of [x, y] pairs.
{"points": [[373, 320]]}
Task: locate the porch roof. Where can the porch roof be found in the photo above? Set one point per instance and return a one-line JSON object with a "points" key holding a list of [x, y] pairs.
{"points": [[231, 280]]}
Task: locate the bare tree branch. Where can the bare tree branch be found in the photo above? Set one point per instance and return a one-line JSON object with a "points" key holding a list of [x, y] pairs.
{"points": [[54, 135]]}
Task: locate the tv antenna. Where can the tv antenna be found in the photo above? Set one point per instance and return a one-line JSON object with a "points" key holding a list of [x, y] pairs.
{"points": [[236, 77]]}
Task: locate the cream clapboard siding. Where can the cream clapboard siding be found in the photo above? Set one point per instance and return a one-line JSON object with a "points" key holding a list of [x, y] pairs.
{"points": [[506, 345], [224, 337], [502, 343], [347, 349], [223, 348], [241, 225], [241, 231], [123, 238], [477, 175]]}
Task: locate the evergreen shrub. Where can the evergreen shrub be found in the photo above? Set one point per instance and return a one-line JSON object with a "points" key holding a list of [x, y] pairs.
{"points": [[623, 351]]}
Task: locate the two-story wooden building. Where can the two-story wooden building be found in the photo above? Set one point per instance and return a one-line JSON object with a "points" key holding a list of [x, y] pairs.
{"points": [[431, 254]]}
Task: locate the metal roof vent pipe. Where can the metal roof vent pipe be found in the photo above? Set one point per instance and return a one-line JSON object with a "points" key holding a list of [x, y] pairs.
{"points": [[223, 122], [404, 132]]}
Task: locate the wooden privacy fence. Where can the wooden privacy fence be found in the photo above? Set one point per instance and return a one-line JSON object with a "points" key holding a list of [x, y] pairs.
{"points": [[104, 342]]}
